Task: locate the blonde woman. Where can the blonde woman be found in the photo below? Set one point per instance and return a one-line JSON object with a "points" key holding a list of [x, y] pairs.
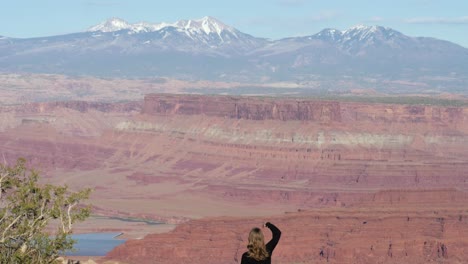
{"points": [[258, 252]]}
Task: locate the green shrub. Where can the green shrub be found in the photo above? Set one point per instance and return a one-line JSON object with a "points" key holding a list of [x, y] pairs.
{"points": [[27, 209]]}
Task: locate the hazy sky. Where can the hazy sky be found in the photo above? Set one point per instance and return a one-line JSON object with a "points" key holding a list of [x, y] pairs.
{"points": [[444, 19]]}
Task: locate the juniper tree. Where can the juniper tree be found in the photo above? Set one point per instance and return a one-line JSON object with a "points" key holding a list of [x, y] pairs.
{"points": [[36, 220]]}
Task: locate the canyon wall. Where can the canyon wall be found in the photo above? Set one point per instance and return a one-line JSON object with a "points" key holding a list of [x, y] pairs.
{"points": [[330, 236], [325, 143], [269, 108], [173, 158], [368, 183]]}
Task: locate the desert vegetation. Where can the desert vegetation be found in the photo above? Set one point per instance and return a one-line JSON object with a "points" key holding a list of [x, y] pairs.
{"points": [[29, 210]]}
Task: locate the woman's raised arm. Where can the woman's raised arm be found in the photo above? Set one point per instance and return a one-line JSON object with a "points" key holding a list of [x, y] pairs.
{"points": [[276, 237]]}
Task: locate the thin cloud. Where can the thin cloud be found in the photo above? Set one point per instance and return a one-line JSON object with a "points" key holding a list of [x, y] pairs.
{"points": [[438, 20]]}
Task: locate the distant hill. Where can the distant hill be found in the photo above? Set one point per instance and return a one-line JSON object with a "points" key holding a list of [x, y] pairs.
{"points": [[360, 57]]}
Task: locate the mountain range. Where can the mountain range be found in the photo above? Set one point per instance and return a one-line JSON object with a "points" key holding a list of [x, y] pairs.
{"points": [[208, 49]]}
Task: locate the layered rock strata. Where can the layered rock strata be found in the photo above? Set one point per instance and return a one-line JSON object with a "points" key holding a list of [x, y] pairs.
{"points": [[372, 235], [180, 157]]}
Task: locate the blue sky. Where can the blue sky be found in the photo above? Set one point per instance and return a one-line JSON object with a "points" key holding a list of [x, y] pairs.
{"points": [[447, 19]]}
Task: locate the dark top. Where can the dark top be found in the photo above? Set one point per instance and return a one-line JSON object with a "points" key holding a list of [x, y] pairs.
{"points": [[270, 246]]}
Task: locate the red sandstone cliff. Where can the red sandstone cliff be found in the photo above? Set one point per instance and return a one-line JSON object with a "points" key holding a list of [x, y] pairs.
{"points": [[420, 235], [190, 156], [261, 108]]}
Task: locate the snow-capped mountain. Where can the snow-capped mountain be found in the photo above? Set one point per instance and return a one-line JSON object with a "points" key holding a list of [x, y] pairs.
{"points": [[330, 35], [206, 48], [361, 37], [205, 25], [207, 30], [369, 33], [111, 25]]}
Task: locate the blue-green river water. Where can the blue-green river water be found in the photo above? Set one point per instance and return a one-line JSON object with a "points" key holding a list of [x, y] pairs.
{"points": [[95, 244]]}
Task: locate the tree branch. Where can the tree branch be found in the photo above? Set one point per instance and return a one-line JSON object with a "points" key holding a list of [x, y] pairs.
{"points": [[8, 227], [70, 207], [2, 177]]}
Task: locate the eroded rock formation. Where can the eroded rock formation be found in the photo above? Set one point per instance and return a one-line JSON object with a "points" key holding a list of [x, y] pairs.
{"points": [[264, 108], [372, 235], [180, 157]]}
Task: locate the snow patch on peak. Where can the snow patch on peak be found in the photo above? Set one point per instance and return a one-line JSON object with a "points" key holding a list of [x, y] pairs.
{"points": [[116, 24], [206, 25], [148, 27], [111, 25], [362, 32], [329, 34], [211, 24], [357, 33], [367, 29]]}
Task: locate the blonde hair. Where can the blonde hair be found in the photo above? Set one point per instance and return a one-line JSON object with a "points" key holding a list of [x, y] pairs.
{"points": [[256, 246]]}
